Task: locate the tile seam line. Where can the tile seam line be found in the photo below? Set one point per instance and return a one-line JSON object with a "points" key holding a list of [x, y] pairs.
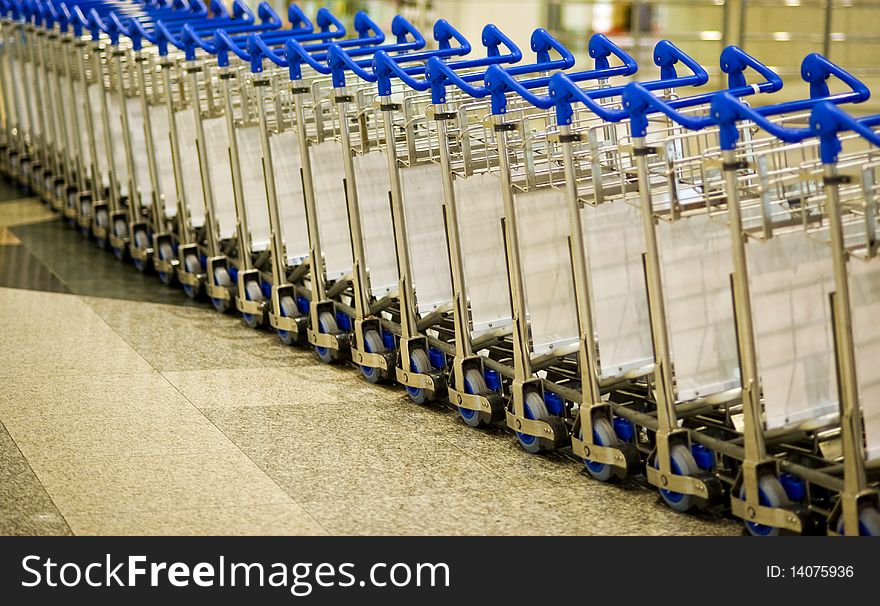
{"points": [[246, 455], [37, 477], [164, 378]]}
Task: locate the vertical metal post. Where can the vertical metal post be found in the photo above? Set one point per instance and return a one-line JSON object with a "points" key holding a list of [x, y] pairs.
{"points": [[851, 419]]}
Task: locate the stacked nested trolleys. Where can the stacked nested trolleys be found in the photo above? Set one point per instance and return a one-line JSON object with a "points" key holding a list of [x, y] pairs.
{"points": [[684, 286]]}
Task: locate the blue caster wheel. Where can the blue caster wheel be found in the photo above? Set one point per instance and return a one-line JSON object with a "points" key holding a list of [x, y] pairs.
{"points": [[603, 435], [419, 363], [327, 324], [474, 383], [869, 522], [102, 219], [166, 253], [120, 230], [288, 310], [253, 292], [683, 464], [536, 410], [193, 266], [372, 344], [221, 278], [142, 241], [770, 494]]}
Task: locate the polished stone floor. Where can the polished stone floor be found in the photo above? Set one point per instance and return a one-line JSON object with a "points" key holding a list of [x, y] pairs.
{"points": [[127, 409]]}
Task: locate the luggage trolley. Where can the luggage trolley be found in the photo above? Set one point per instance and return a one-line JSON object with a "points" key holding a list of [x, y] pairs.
{"points": [[802, 387], [24, 152], [466, 156], [70, 190], [580, 273], [14, 111], [41, 152], [418, 182], [605, 186], [691, 191], [322, 130], [56, 104], [41, 114], [82, 121], [374, 213], [170, 116], [203, 147], [133, 133], [848, 208], [285, 226], [244, 174], [411, 151], [152, 221], [258, 222], [84, 188]]}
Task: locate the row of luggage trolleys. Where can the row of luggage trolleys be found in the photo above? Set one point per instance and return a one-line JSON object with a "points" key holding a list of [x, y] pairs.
{"points": [[666, 281]]}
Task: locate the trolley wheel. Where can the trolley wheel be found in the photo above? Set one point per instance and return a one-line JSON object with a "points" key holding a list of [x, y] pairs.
{"points": [[869, 522], [253, 292], [120, 230], [475, 384], [102, 219], [142, 241], [288, 310], [166, 252], [603, 435], [419, 363], [326, 324], [770, 494], [535, 410], [372, 344], [192, 265], [85, 211], [682, 462], [221, 278]]}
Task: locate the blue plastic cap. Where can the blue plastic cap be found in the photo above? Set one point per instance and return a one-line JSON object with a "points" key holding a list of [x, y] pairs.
{"points": [[826, 123], [725, 113]]}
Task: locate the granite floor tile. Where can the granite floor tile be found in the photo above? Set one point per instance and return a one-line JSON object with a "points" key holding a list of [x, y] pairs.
{"points": [[314, 459], [114, 484], [50, 334], [24, 211], [25, 507], [258, 520], [89, 394], [8, 238], [262, 387], [87, 270], [176, 338], [124, 431], [20, 269], [10, 191], [511, 512]]}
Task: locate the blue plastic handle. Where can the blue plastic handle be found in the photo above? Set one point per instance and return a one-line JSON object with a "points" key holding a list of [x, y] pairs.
{"points": [[828, 120], [441, 75], [501, 82], [297, 54], [727, 110], [299, 22], [564, 89], [385, 66], [218, 9], [341, 61]]}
